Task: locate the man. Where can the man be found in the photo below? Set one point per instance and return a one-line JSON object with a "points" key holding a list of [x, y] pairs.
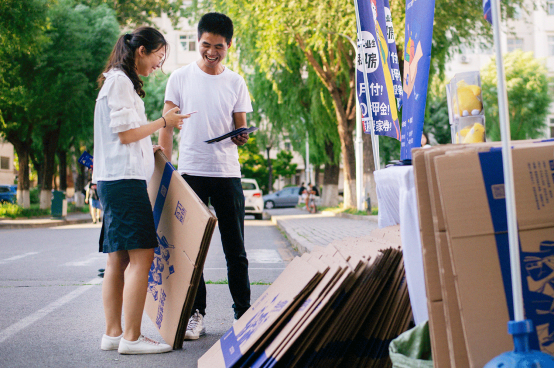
{"points": [[221, 100]]}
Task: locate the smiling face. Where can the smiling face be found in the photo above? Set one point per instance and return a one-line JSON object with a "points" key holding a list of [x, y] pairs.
{"points": [[213, 49], [148, 63]]}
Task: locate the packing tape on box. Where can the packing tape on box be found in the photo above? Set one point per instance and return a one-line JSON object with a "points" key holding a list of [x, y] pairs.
{"points": [[162, 193]]}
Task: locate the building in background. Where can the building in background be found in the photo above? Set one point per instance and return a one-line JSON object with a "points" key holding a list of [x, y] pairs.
{"points": [[7, 167], [528, 30]]}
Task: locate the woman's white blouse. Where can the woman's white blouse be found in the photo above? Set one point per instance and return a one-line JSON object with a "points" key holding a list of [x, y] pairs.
{"points": [[118, 109]]}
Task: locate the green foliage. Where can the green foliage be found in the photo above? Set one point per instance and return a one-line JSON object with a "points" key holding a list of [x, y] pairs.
{"points": [[154, 86], [13, 211], [528, 96], [282, 165], [139, 12], [252, 163], [436, 113], [34, 194]]}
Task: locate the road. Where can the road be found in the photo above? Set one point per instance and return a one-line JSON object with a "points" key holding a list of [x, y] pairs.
{"points": [[51, 303]]}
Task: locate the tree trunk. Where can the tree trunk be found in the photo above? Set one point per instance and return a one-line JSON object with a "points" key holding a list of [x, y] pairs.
{"points": [[62, 169], [348, 161], [23, 182], [331, 173], [369, 167], [50, 145]]}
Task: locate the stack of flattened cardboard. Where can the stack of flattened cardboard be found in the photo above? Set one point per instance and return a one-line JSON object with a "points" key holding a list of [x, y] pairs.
{"points": [[336, 306], [463, 227], [184, 227]]}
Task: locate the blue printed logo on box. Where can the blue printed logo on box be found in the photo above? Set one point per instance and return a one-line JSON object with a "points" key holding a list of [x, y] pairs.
{"points": [[180, 212], [551, 164]]}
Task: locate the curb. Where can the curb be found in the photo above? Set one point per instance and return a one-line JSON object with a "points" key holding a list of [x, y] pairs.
{"points": [[369, 218], [295, 244], [46, 224]]}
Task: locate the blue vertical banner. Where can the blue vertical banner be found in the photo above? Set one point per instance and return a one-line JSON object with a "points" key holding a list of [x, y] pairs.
{"points": [[373, 52], [417, 59], [385, 20]]}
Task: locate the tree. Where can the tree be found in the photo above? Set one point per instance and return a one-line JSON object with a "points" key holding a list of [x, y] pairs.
{"points": [[528, 96], [80, 41], [22, 24], [252, 163], [282, 166], [138, 12]]}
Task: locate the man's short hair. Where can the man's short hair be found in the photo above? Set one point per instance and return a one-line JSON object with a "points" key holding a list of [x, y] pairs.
{"points": [[216, 23]]}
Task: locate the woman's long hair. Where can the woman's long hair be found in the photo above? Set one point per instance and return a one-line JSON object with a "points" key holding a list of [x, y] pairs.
{"points": [[123, 54]]}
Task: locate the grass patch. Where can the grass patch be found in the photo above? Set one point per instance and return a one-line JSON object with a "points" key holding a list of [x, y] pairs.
{"points": [[225, 281], [353, 211], [8, 210]]}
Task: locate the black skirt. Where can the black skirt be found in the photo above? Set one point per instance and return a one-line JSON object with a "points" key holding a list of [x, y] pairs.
{"points": [[128, 222]]}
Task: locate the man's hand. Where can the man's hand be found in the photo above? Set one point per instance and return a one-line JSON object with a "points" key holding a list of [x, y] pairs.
{"points": [[156, 148], [240, 139]]}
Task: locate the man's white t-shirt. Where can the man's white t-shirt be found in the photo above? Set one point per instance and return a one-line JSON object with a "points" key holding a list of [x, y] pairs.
{"points": [[216, 98]]}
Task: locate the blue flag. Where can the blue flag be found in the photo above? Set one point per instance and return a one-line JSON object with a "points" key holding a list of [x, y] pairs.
{"points": [[373, 51], [417, 59], [385, 20], [487, 12]]}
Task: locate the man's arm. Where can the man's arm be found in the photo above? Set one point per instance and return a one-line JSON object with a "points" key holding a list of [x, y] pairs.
{"points": [[166, 134], [240, 122]]}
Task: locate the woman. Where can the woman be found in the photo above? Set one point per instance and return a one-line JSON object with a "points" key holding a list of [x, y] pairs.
{"points": [[123, 163]]}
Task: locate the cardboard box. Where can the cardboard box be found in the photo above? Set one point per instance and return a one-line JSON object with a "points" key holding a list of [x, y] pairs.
{"points": [[471, 188], [427, 226], [184, 226]]}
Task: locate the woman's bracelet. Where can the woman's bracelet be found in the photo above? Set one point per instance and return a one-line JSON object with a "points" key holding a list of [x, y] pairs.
{"points": [[165, 122]]}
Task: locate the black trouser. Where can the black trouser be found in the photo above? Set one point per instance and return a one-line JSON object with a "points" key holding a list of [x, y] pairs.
{"points": [[227, 198]]}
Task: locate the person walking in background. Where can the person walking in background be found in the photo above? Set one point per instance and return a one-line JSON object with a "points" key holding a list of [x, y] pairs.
{"points": [[301, 193], [92, 199], [221, 98], [123, 164]]}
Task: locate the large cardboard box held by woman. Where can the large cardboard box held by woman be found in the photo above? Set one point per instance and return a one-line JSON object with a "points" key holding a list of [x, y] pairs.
{"points": [[184, 227]]}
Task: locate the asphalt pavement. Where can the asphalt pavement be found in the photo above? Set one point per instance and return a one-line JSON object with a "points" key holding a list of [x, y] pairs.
{"points": [[51, 294]]}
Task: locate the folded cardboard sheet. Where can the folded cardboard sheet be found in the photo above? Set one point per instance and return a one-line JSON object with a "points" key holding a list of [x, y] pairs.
{"points": [[184, 226], [337, 306]]}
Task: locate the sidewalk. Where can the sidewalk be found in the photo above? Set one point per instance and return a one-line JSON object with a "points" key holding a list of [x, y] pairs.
{"points": [[73, 218], [306, 231]]}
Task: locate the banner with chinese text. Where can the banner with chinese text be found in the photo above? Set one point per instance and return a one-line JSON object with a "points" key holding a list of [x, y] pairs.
{"points": [[417, 59], [373, 51]]}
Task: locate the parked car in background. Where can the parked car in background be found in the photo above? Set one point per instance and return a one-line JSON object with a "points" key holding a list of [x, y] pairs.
{"points": [[8, 193], [287, 197], [253, 202]]}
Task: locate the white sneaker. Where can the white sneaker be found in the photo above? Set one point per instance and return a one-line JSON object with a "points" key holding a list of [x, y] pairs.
{"points": [[110, 343], [143, 345], [195, 327]]}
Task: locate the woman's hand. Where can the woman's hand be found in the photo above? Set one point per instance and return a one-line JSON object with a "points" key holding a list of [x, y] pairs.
{"points": [[157, 147], [174, 119]]}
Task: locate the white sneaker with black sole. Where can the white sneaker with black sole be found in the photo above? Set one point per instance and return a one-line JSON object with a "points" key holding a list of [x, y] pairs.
{"points": [[143, 345], [195, 327], [110, 343]]}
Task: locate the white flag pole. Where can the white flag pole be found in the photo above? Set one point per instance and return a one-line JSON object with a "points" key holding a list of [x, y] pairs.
{"points": [[508, 167]]}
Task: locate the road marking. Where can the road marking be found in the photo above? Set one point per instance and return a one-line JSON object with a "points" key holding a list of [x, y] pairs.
{"points": [[27, 321], [17, 257], [91, 259], [264, 256]]}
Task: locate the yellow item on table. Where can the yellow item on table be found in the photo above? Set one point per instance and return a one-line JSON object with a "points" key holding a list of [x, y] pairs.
{"points": [[468, 99], [471, 134]]}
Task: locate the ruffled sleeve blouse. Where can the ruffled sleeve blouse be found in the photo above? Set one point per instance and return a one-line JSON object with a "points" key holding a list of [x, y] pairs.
{"points": [[119, 108]]}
